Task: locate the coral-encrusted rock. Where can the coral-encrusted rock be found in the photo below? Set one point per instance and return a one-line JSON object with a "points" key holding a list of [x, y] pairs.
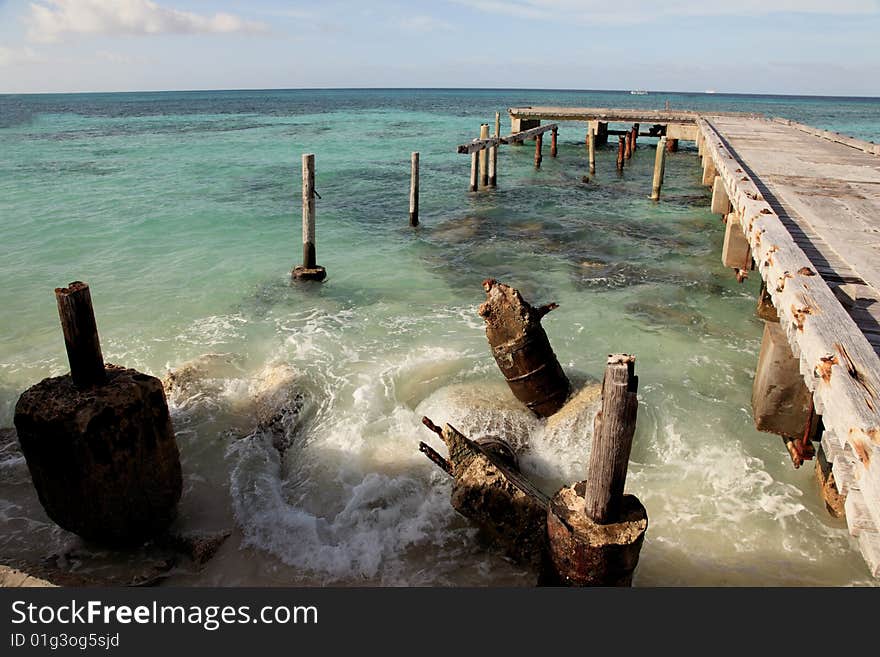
{"points": [[103, 459]]}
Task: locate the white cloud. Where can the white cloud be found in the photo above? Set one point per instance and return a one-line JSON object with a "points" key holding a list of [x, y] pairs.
{"points": [[423, 24], [50, 20], [620, 11], [16, 56]]}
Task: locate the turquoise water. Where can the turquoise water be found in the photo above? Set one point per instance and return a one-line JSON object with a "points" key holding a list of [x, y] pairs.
{"points": [[182, 211]]}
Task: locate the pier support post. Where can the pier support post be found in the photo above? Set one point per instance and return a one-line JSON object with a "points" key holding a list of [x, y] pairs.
{"points": [[591, 150], [781, 402], [309, 269], [553, 142], [672, 145], [595, 532], [414, 190], [735, 252], [635, 139], [493, 155], [765, 309], [475, 172], [700, 140], [484, 157], [659, 169], [834, 501], [600, 129], [709, 171], [621, 150], [628, 140], [720, 200], [80, 335], [539, 140], [100, 447]]}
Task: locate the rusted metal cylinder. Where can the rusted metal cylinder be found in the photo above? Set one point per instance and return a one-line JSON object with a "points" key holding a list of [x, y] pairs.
{"points": [[522, 350], [621, 149], [553, 144], [539, 140]]}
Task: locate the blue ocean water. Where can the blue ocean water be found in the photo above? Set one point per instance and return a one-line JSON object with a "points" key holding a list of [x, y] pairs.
{"points": [[182, 211]]}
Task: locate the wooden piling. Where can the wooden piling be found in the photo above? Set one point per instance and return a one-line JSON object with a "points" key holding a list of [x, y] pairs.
{"points": [[635, 139], [539, 140], [414, 190], [594, 531], [621, 149], [309, 269], [627, 145], [308, 210], [672, 145], [659, 169], [484, 157], [591, 148], [475, 171], [553, 142], [493, 154], [613, 432], [80, 335]]}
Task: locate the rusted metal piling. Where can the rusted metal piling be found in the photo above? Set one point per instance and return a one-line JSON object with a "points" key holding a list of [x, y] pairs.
{"points": [[522, 350], [659, 169], [627, 149], [414, 190], [672, 145], [309, 269], [553, 142], [621, 150], [539, 140], [595, 532], [98, 442]]}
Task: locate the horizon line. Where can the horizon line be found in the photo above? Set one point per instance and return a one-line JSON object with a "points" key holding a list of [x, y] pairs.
{"points": [[386, 88]]}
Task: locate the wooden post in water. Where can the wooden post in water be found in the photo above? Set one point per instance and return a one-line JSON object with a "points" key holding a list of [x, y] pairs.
{"points": [[594, 531], [635, 139], [591, 149], [80, 335], [659, 169], [484, 157], [475, 171], [493, 153], [621, 149], [414, 190], [539, 140], [309, 269], [613, 433], [627, 147], [553, 140]]}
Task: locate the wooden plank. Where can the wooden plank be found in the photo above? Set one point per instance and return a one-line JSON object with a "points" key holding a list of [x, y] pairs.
{"points": [[482, 144]]}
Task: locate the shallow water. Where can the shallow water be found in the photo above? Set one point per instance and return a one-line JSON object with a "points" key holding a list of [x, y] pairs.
{"points": [[181, 210]]}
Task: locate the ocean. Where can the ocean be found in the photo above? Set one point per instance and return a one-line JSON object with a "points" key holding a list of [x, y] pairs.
{"points": [[182, 212]]}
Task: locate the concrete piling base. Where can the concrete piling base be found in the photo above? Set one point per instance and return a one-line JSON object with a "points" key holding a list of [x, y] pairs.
{"points": [[585, 553], [309, 273], [103, 459], [736, 251]]}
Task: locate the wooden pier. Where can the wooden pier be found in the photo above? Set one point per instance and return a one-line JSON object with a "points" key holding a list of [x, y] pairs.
{"points": [[802, 207]]}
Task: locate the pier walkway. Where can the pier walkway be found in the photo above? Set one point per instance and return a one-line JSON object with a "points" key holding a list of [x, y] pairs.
{"points": [[808, 202]]}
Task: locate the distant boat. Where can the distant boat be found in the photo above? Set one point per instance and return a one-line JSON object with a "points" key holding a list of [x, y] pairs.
{"points": [[709, 91], [639, 92]]}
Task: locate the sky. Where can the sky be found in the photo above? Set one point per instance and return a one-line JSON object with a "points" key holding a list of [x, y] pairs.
{"points": [[820, 47]]}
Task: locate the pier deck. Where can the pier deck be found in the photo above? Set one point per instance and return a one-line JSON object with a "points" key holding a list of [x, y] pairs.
{"points": [[808, 202]]}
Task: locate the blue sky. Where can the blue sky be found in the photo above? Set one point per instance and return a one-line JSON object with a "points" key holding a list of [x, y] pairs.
{"points": [[746, 46]]}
